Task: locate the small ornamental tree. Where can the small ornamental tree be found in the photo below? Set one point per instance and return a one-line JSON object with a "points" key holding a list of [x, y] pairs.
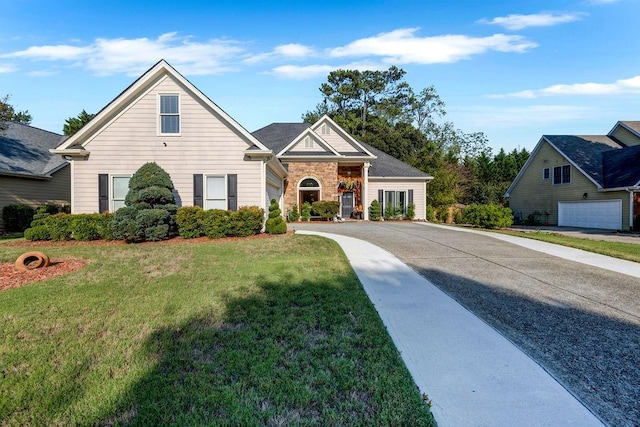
{"points": [[275, 224], [294, 215], [150, 210], [305, 212], [374, 211]]}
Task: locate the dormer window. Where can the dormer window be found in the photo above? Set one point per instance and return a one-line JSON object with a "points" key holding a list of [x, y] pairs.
{"points": [[308, 142], [326, 130], [169, 114]]}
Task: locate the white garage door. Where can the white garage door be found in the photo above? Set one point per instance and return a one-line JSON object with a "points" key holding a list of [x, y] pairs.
{"points": [[601, 214], [273, 192]]}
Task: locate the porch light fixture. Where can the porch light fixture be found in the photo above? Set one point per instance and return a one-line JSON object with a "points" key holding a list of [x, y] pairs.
{"points": [[585, 195]]}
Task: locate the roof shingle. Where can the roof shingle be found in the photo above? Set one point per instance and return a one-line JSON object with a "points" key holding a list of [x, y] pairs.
{"points": [[24, 150]]}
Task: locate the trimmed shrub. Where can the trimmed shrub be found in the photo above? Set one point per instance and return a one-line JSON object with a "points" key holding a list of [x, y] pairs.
{"points": [[411, 212], [39, 232], [17, 217], [189, 221], [71, 227], [442, 213], [216, 223], [91, 226], [430, 214], [247, 221], [327, 209], [458, 217], [275, 223], [294, 215], [150, 210], [375, 213], [488, 216], [305, 212], [42, 212]]}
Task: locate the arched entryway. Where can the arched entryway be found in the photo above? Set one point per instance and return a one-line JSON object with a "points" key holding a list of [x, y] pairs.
{"points": [[308, 191]]}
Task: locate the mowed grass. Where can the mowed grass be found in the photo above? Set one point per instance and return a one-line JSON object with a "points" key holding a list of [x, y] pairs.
{"points": [[627, 251], [274, 331]]}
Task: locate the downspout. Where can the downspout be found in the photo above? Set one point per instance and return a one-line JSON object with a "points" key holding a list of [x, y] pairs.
{"points": [[365, 190]]}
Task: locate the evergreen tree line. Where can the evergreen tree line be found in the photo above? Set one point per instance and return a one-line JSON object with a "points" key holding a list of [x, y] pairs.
{"points": [[381, 109]]}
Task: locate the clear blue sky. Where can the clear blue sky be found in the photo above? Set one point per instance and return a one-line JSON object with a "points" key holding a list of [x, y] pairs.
{"points": [[512, 69]]}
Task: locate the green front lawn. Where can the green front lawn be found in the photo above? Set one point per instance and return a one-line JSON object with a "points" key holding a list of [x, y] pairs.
{"points": [[273, 331], [628, 251]]}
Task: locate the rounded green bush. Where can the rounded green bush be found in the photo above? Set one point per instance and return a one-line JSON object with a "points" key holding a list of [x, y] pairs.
{"points": [[375, 213]]}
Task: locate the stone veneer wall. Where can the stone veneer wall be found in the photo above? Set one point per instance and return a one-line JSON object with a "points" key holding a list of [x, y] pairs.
{"points": [[325, 172]]}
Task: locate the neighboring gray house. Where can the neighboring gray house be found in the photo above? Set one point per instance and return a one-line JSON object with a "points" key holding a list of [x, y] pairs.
{"points": [[29, 173], [590, 181]]}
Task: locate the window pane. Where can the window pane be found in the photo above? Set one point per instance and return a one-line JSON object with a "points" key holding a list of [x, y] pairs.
{"points": [[309, 182], [117, 204], [120, 187], [557, 175], [215, 204], [400, 198], [566, 174], [170, 124], [215, 187], [169, 104]]}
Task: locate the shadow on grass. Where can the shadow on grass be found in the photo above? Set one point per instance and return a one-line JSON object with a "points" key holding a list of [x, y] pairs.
{"points": [[595, 356], [312, 352]]}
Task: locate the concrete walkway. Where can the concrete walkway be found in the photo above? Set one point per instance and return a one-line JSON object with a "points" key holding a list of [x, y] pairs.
{"points": [[473, 375]]}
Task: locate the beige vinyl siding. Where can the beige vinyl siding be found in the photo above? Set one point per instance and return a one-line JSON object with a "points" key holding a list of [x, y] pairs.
{"points": [[626, 137], [340, 144], [35, 192], [300, 146], [418, 187], [532, 193], [206, 145]]}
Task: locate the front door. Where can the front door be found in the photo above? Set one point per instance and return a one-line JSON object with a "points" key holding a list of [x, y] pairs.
{"points": [[347, 204]]}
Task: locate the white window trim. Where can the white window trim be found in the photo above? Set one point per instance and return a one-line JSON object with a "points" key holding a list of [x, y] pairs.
{"points": [[384, 200], [553, 177], [205, 191], [112, 199], [160, 133]]}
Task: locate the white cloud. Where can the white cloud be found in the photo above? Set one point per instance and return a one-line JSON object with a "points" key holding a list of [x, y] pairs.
{"points": [[619, 87], [133, 56], [7, 68], [402, 46], [302, 72], [518, 22], [286, 51]]}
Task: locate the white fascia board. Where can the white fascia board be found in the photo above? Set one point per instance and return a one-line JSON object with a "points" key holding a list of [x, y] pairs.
{"points": [[342, 132]]}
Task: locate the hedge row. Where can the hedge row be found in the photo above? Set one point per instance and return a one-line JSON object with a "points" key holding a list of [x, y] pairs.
{"points": [[192, 222], [19, 217]]}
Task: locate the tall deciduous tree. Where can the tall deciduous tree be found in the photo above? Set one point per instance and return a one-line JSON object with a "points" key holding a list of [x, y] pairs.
{"points": [[9, 114], [74, 124]]}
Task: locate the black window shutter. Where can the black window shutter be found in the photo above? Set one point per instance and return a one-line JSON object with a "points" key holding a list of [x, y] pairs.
{"points": [[103, 192], [232, 192], [410, 196], [197, 190]]}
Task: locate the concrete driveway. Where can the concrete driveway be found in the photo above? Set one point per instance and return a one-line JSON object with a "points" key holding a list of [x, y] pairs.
{"points": [[581, 323]]}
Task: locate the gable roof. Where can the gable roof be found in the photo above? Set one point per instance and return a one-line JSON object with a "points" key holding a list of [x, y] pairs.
{"points": [[75, 144], [24, 151], [585, 152], [278, 136], [631, 125], [360, 149], [605, 161], [388, 166]]}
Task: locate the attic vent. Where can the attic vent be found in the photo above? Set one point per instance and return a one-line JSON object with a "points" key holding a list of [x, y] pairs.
{"points": [[326, 129], [308, 142]]}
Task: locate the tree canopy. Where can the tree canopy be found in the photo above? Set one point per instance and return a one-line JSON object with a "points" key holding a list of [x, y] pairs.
{"points": [[74, 124], [9, 114], [383, 110]]}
